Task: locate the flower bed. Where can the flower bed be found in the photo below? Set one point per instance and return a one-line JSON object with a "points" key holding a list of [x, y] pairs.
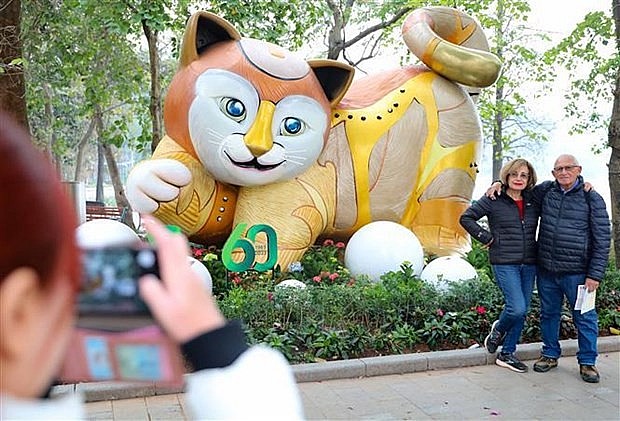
{"points": [[338, 317]]}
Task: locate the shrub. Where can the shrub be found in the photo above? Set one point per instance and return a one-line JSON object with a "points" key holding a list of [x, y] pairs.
{"points": [[478, 257], [403, 338], [338, 317], [322, 264], [608, 299]]}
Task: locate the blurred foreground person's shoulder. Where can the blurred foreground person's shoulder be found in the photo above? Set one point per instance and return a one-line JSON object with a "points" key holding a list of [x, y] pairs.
{"points": [[257, 384]]}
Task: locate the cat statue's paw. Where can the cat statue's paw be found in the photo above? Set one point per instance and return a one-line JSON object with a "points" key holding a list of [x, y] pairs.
{"points": [[155, 181]]}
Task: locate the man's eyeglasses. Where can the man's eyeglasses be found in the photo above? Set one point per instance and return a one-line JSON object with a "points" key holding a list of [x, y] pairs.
{"points": [[565, 168]]}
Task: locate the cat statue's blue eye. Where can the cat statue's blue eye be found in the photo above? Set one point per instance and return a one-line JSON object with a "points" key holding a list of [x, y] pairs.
{"points": [[233, 108], [291, 126]]}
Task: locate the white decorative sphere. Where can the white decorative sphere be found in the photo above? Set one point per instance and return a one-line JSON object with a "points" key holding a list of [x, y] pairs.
{"points": [[201, 270], [443, 270], [381, 247], [291, 283], [105, 233]]}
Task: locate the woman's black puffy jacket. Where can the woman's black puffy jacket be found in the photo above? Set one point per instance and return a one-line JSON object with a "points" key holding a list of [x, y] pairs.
{"points": [[514, 240]]}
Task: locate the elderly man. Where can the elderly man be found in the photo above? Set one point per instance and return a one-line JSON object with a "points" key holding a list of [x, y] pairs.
{"points": [[573, 249]]}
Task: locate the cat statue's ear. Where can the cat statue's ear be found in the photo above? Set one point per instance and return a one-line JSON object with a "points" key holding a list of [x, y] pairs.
{"points": [[202, 30], [335, 77]]}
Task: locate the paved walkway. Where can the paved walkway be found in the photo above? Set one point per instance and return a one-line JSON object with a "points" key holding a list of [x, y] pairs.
{"points": [[473, 392]]}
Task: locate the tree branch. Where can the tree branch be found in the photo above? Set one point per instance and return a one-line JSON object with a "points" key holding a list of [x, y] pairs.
{"points": [[378, 27]]}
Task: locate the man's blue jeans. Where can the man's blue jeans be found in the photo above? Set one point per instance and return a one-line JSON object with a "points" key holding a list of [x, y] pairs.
{"points": [[516, 283], [552, 287]]}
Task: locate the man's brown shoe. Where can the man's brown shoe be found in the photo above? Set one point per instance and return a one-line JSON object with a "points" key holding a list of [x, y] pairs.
{"points": [[589, 373], [545, 364]]}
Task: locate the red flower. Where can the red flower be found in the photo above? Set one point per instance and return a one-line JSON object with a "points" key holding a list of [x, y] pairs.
{"points": [[236, 280], [333, 276], [317, 279], [198, 252], [340, 245], [328, 242], [440, 312], [270, 296], [481, 310]]}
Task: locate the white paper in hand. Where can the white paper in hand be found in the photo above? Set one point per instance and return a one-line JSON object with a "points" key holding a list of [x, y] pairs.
{"points": [[585, 300]]}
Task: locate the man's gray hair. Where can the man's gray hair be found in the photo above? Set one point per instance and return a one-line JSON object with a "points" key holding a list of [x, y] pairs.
{"points": [[568, 157]]}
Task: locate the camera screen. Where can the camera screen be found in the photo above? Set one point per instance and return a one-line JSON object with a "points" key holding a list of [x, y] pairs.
{"points": [[110, 280]]}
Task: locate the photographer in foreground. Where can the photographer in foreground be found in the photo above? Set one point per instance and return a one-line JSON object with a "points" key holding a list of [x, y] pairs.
{"points": [[39, 282]]}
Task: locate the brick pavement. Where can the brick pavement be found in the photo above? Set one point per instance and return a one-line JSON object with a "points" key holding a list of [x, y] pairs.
{"points": [[467, 391]]}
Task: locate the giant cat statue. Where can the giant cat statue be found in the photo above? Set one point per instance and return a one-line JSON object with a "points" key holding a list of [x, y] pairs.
{"points": [[257, 135]]}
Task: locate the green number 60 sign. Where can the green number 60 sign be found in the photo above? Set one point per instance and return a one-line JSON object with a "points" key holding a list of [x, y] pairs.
{"points": [[235, 241]]}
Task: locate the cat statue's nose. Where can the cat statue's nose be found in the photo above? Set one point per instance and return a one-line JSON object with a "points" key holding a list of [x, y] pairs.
{"points": [[259, 139]]}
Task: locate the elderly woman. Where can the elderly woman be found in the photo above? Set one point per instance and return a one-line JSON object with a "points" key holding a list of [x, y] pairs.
{"points": [[511, 240]]}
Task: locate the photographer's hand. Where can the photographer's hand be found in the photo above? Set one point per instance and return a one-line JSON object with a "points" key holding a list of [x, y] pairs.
{"points": [[179, 302]]}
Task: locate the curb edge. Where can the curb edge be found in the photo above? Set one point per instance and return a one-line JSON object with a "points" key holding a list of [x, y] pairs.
{"points": [[344, 369]]}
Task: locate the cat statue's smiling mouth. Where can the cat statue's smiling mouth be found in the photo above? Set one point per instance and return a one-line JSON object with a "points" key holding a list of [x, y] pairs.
{"points": [[253, 163]]}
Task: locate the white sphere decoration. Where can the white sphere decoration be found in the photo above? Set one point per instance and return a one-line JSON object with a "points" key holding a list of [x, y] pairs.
{"points": [[105, 233], [291, 283], [381, 247], [443, 270], [201, 270]]}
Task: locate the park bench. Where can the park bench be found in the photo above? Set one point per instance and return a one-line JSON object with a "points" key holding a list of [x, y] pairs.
{"points": [[98, 210]]}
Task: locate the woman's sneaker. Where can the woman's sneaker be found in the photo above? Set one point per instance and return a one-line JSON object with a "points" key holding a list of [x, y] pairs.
{"points": [[511, 362], [494, 339]]}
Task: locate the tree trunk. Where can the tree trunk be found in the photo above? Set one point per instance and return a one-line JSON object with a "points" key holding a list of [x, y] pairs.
{"points": [[155, 103], [117, 184], [12, 85], [81, 146], [99, 194], [614, 143], [498, 141], [98, 117], [335, 39], [498, 145], [50, 133], [119, 190]]}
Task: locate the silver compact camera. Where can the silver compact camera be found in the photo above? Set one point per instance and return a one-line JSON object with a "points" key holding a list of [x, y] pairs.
{"points": [[110, 280]]}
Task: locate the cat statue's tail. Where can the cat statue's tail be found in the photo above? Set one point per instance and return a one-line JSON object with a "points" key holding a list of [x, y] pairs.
{"points": [[453, 45]]}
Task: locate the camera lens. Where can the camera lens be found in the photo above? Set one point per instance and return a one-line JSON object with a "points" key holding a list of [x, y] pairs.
{"points": [[145, 258]]}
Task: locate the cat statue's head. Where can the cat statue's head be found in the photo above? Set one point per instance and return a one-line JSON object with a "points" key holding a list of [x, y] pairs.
{"points": [[250, 111]]}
